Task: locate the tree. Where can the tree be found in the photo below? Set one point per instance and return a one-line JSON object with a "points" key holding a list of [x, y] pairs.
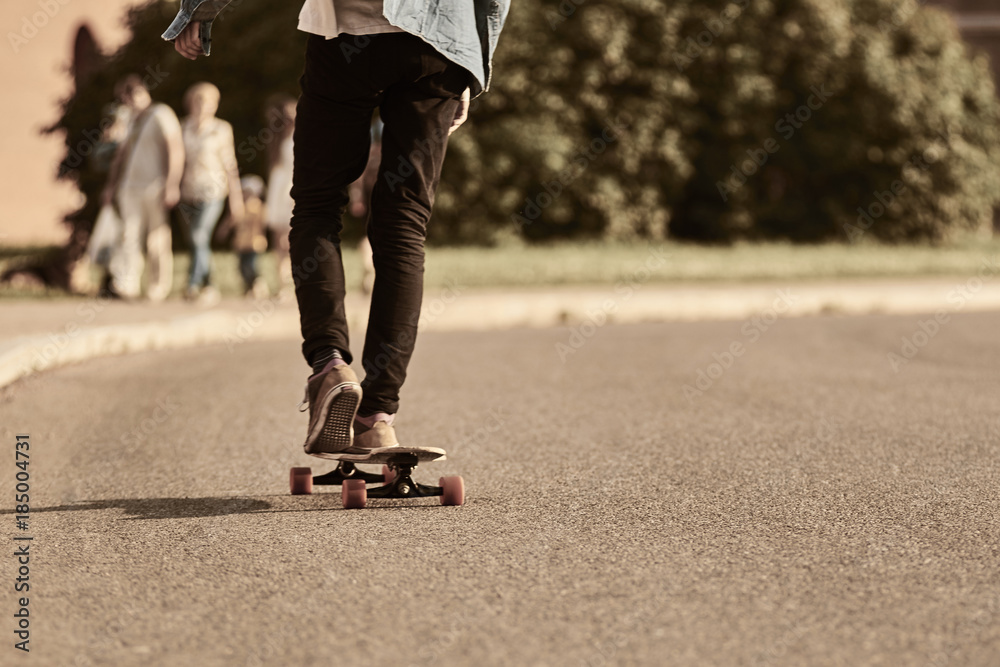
{"points": [[710, 120], [745, 120]]}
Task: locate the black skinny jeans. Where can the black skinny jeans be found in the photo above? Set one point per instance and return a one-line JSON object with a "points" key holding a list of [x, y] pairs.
{"points": [[417, 92]]}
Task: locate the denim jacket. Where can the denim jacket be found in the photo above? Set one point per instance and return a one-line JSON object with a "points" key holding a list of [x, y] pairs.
{"points": [[467, 38]]}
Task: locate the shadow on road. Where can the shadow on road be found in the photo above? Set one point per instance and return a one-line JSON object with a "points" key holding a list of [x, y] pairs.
{"points": [[186, 508], [164, 508]]}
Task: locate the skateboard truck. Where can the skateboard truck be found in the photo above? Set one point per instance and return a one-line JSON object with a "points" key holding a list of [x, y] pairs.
{"points": [[346, 470], [400, 484]]}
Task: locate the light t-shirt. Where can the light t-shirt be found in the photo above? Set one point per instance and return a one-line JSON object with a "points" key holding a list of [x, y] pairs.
{"points": [[209, 154], [330, 18], [146, 164], [278, 208]]}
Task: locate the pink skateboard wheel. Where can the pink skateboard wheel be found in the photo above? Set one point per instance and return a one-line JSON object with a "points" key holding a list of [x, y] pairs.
{"points": [[353, 494], [301, 481], [453, 490]]}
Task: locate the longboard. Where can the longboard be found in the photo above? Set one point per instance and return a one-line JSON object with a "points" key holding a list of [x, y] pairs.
{"points": [[383, 456], [398, 464]]}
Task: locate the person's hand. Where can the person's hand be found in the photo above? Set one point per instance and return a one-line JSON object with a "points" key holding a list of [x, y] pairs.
{"points": [[171, 196], [237, 212], [188, 43], [224, 229], [462, 113]]}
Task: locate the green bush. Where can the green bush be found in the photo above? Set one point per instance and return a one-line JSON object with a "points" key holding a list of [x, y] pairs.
{"points": [[624, 119], [898, 101]]}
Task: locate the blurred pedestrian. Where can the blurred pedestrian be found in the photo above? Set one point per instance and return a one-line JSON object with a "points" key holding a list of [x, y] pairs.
{"points": [[114, 134], [144, 184], [210, 175], [105, 236], [419, 64], [249, 240], [278, 207]]}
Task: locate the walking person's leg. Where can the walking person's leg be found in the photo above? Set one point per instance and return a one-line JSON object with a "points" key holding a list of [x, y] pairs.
{"points": [[418, 114], [248, 269], [284, 265], [127, 262], [331, 149], [201, 219], [159, 250]]}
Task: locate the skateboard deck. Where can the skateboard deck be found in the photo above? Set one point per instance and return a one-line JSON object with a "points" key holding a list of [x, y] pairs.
{"points": [[384, 456], [397, 467]]}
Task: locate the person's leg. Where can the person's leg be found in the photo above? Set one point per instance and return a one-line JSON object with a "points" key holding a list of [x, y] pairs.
{"points": [[286, 285], [159, 253], [189, 212], [367, 267], [417, 114], [339, 95], [256, 286], [126, 264], [331, 149], [202, 217], [248, 268]]}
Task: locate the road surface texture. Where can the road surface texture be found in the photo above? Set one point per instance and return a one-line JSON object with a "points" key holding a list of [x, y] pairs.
{"points": [[801, 503]]}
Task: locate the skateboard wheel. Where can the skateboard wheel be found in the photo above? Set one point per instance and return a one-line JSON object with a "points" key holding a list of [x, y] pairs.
{"points": [[388, 475], [453, 490], [353, 494], [301, 481]]}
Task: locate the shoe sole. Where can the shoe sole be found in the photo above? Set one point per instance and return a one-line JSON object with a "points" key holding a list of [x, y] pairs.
{"points": [[335, 432], [358, 455]]}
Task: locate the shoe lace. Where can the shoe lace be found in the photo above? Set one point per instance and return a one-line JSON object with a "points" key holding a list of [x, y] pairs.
{"points": [[304, 404]]}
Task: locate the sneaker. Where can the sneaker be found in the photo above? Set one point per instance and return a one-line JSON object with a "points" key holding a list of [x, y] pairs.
{"points": [[109, 291], [373, 439], [209, 297], [333, 397], [260, 290], [379, 435]]}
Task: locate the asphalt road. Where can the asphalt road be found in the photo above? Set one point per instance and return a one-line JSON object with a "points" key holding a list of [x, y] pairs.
{"points": [[810, 506]]}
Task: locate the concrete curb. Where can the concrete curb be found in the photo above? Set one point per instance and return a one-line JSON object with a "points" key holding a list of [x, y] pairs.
{"points": [[31, 354], [456, 309]]}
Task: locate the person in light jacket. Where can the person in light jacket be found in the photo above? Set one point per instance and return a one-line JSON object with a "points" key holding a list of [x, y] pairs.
{"points": [[419, 64], [144, 184], [210, 177]]}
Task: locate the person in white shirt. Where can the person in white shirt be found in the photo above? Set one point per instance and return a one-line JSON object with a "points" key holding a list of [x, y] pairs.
{"points": [[210, 176], [279, 204], [419, 64], [144, 184]]}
